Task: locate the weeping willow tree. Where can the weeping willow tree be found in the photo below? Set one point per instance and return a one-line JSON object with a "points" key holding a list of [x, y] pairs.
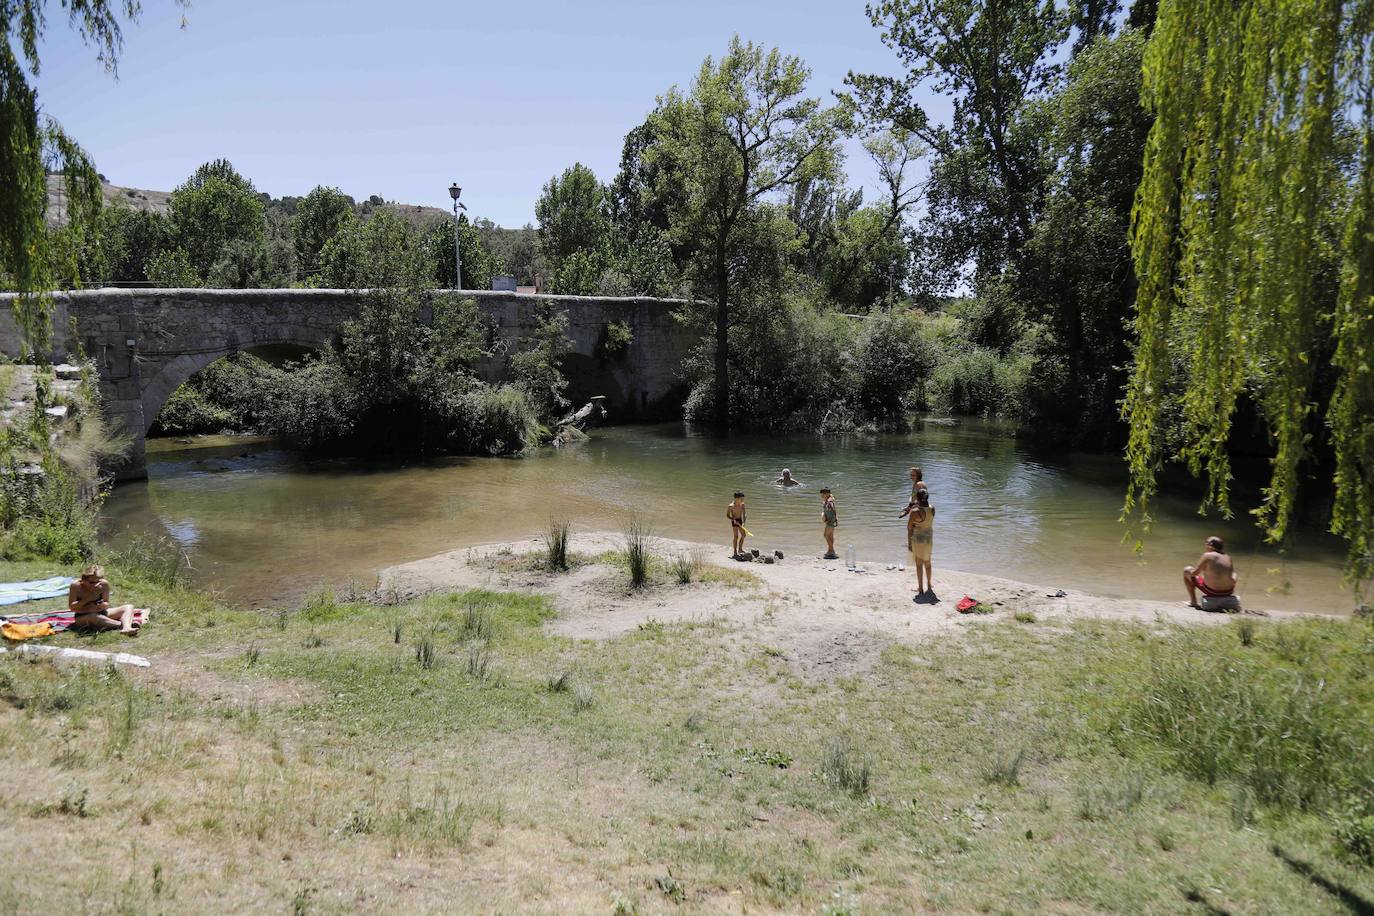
{"points": [[1253, 239], [35, 255]]}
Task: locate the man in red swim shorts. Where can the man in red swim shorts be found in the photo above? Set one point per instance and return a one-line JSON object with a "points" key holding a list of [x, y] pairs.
{"points": [[1214, 575]]}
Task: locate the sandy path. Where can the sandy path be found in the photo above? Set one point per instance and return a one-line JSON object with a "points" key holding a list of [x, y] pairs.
{"points": [[827, 620]]}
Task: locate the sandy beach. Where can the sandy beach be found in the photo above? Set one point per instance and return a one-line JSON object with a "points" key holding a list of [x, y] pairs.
{"points": [[827, 620]]}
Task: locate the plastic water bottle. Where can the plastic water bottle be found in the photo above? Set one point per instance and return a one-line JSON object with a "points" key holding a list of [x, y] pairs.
{"points": [[849, 557]]}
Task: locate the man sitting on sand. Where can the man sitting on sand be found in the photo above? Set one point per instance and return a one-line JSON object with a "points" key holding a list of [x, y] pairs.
{"points": [[89, 599], [1214, 576], [787, 480]]}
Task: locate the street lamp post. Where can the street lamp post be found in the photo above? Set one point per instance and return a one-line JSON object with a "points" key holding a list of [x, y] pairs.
{"points": [[454, 191]]}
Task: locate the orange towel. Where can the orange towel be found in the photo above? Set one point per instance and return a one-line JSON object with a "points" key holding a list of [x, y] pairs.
{"points": [[18, 632]]}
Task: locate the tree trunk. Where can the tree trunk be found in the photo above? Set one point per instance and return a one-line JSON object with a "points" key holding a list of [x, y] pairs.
{"points": [[722, 342]]}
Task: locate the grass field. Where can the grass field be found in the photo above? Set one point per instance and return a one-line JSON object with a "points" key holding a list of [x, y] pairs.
{"points": [[448, 755]]}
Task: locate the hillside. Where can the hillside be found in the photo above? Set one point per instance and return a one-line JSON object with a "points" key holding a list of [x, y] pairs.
{"points": [[159, 201]]}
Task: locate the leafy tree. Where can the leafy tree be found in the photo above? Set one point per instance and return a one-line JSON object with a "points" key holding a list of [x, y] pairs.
{"points": [[318, 217], [129, 239], [479, 264], [218, 221], [34, 144], [380, 251], [572, 214], [1253, 241], [538, 367], [859, 254], [744, 132], [579, 274], [279, 266], [172, 268], [517, 250], [1074, 276], [990, 59]]}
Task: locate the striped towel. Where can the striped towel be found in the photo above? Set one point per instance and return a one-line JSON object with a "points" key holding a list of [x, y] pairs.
{"points": [[58, 620], [19, 592]]}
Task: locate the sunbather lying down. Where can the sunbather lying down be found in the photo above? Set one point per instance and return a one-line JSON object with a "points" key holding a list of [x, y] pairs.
{"points": [[89, 599]]}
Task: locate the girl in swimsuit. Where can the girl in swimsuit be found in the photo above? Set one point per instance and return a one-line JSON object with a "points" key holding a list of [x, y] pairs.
{"points": [[920, 539]]}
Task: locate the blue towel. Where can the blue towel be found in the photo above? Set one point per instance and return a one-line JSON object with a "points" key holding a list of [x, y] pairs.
{"points": [[19, 592]]}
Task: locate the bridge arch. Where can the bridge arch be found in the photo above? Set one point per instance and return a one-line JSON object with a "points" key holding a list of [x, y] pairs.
{"points": [[146, 342], [175, 370]]}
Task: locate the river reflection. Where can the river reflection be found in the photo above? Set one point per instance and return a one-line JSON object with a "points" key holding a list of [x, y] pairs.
{"points": [[264, 526]]}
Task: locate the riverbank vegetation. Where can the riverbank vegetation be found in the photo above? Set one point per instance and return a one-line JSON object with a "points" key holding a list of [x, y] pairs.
{"points": [[367, 755], [993, 266]]}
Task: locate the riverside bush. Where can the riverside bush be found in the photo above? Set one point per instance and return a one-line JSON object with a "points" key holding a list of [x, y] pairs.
{"points": [[978, 382]]}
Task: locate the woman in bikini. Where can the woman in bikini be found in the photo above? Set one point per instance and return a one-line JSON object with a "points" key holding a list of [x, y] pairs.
{"points": [[89, 599], [920, 534]]}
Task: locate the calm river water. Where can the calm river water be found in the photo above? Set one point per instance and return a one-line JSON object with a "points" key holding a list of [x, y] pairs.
{"points": [[265, 527]]}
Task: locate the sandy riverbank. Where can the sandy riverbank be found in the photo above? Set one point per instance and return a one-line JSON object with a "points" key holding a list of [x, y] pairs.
{"points": [[827, 620]]}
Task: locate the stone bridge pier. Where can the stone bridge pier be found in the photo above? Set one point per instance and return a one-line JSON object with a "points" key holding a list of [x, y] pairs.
{"points": [[147, 342]]}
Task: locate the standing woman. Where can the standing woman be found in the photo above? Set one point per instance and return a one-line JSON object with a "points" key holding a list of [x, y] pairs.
{"points": [[920, 532]]}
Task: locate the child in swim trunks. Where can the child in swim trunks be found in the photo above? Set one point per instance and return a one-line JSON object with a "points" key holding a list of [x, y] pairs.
{"points": [[737, 515], [832, 521]]}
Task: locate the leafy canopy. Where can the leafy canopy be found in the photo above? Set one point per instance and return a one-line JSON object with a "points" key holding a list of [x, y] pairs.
{"points": [[743, 133], [1253, 240]]}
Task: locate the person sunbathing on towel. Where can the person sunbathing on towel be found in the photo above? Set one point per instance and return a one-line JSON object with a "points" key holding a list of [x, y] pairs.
{"points": [[1214, 575], [89, 599]]}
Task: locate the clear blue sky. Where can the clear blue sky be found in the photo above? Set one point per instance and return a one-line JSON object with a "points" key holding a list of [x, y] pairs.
{"points": [[401, 98]]}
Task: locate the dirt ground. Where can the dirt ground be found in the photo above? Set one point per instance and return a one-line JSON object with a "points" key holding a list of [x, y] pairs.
{"points": [[826, 620]]}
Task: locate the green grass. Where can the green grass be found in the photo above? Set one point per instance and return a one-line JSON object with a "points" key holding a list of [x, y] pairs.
{"points": [[1014, 769]]}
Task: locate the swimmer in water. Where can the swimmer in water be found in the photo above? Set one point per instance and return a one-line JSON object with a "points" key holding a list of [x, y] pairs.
{"points": [[787, 480]]}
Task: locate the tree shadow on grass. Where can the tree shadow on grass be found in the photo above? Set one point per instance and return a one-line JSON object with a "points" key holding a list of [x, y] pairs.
{"points": [[1352, 900], [1193, 895]]}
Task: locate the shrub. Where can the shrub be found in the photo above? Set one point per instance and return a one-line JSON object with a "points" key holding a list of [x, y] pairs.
{"points": [[425, 653], [556, 545], [1006, 770], [843, 768], [51, 520], [637, 554], [476, 623], [494, 421], [892, 360], [188, 411], [615, 341], [978, 382], [1354, 827], [685, 566], [537, 369]]}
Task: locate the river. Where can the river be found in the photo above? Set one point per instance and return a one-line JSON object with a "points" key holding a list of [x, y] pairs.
{"points": [[265, 527]]}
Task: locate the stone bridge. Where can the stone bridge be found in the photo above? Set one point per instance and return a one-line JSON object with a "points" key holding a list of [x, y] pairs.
{"points": [[146, 342]]}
